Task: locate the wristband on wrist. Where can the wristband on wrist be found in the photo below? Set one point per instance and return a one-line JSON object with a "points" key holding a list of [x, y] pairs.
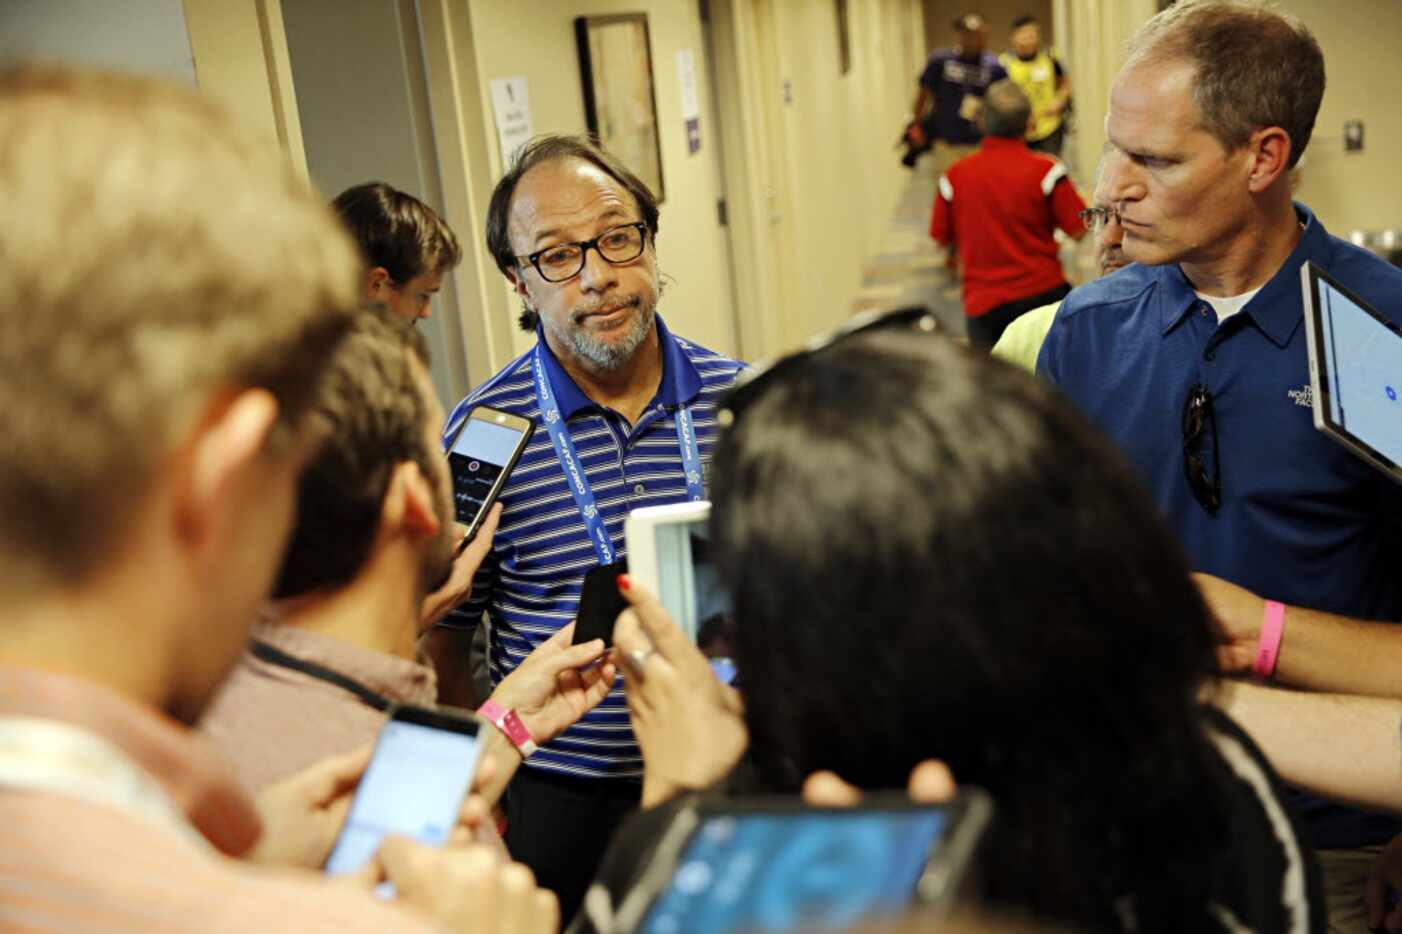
{"points": [[1268, 644], [510, 725]]}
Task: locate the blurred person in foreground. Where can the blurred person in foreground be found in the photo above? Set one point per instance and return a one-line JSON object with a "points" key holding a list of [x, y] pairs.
{"points": [[170, 303], [974, 577]]}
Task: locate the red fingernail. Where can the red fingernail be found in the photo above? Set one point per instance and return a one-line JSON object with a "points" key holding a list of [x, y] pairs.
{"points": [[624, 583]]}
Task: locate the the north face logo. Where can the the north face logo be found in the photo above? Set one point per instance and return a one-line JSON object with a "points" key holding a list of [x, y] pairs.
{"points": [[1304, 396]]}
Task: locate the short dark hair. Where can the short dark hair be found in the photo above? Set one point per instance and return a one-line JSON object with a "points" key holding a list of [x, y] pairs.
{"points": [[1026, 19], [397, 231], [1006, 110], [1255, 67], [931, 554], [539, 151], [373, 412]]}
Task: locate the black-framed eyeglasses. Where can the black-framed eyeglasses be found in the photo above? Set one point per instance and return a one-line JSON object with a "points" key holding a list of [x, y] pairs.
{"points": [[1097, 218], [751, 382], [617, 245], [1199, 419]]}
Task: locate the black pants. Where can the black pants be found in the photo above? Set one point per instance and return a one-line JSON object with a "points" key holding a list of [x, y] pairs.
{"points": [[985, 329], [561, 826], [1051, 144]]}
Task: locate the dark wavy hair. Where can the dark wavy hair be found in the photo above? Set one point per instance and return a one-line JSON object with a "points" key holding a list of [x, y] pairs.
{"points": [[397, 231], [539, 151], [930, 554]]}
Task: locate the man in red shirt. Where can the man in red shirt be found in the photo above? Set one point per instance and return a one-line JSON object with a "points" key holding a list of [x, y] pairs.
{"points": [[1002, 205]]}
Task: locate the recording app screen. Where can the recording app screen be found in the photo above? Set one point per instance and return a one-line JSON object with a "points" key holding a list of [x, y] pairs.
{"points": [[771, 872], [1364, 366], [414, 786], [477, 457], [691, 591]]}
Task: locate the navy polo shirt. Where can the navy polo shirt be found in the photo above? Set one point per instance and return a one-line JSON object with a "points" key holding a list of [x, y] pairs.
{"points": [[1302, 520], [950, 77], [530, 582]]}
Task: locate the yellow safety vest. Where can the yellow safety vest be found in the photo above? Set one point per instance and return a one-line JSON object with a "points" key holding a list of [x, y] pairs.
{"points": [[1037, 78]]}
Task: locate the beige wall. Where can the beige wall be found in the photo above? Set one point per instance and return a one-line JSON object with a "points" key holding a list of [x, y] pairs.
{"points": [[1351, 190], [535, 39]]}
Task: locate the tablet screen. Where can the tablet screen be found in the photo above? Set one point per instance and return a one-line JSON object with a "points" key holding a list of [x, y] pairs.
{"points": [[806, 871], [1361, 372]]}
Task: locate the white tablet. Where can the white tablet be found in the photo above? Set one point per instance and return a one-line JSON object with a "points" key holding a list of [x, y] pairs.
{"points": [[669, 553], [1355, 357]]}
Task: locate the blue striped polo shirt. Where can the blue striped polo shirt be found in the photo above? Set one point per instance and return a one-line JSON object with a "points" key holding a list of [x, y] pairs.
{"points": [[530, 582]]}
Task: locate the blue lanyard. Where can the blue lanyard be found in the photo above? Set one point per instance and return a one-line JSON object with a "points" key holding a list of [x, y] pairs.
{"points": [[574, 472]]}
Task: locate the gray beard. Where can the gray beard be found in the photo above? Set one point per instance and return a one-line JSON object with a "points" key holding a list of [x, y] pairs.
{"points": [[610, 355]]}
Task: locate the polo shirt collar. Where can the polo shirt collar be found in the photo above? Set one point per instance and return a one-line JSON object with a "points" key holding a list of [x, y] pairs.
{"points": [[681, 383], [1277, 308]]}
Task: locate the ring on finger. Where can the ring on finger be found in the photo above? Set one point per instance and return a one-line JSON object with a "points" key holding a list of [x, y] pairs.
{"points": [[639, 657]]}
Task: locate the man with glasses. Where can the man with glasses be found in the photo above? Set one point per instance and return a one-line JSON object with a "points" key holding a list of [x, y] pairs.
{"points": [[625, 412], [1002, 207], [1194, 358], [1022, 341]]}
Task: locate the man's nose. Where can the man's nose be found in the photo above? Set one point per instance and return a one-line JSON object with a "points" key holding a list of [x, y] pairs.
{"points": [[598, 273]]}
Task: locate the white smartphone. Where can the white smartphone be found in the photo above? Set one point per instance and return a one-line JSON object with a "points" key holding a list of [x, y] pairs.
{"points": [[421, 770], [480, 457], [669, 553]]}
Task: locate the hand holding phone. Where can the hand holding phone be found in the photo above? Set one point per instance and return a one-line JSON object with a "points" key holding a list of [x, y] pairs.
{"points": [[481, 455], [419, 774]]}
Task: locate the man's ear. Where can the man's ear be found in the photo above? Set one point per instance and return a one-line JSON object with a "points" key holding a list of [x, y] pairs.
{"points": [[226, 443], [409, 502], [378, 283], [1270, 158]]}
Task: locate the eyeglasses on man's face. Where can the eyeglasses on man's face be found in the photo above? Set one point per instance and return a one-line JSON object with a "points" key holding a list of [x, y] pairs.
{"points": [[750, 383], [1097, 219], [1200, 421], [617, 245]]}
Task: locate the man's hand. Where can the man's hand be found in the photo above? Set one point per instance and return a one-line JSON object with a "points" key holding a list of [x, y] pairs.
{"points": [[468, 888], [459, 584], [549, 692], [931, 782], [1385, 876], [690, 727], [1237, 613], [303, 813]]}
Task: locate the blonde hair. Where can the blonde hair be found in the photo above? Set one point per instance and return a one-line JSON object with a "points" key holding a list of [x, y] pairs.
{"points": [[153, 255]]}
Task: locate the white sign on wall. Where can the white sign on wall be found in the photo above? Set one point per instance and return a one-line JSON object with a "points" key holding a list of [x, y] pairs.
{"points": [[691, 101], [511, 103]]}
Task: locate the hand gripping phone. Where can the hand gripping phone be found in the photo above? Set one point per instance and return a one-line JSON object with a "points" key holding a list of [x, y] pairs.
{"points": [[422, 768], [481, 455]]}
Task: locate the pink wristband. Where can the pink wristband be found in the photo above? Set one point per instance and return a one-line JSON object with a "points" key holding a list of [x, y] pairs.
{"points": [[510, 725], [1268, 646]]}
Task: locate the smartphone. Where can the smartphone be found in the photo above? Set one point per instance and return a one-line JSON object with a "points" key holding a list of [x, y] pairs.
{"points": [[421, 770], [600, 603], [480, 456], [669, 549], [778, 865]]}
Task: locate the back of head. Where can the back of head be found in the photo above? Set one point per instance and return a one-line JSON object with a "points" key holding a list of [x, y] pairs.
{"points": [[931, 555], [154, 257], [1006, 110], [1255, 67], [546, 149], [374, 416], [397, 232]]}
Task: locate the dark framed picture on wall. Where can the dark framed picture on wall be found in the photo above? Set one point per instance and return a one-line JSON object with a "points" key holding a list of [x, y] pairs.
{"points": [[620, 107]]}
